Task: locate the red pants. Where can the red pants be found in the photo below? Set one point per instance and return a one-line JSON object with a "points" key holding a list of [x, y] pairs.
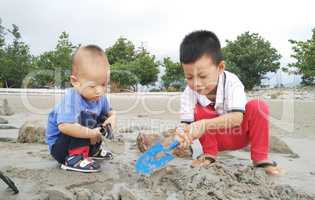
{"points": [[254, 130]]}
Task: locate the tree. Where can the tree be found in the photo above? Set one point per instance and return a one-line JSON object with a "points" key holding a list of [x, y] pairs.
{"points": [[122, 78], [57, 63], [174, 75], [304, 53], [2, 43], [45, 71], [2, 40], [16, 60], [251, 57], [145, 67], [123, 51], [139, 67]]}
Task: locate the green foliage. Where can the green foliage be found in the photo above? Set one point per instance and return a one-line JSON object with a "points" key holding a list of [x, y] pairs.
{"points": [[122, 78], [15, 59], [251, 57], [54, 67], [2, 43], [304, 53], [2, 33], [144, 67], [174, 75], [139, 67], [123, 51]]}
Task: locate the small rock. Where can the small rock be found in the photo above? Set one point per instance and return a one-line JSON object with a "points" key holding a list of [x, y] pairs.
{"points": [[312, 173], [121, 192], [3, 121], [169, 170], [32, 132], [277, 145], [7, 140], [126, 194], [83, 194], [125, 130], [142, 115], [146, 139], [5, 109], [57, 193], [294, 155]]}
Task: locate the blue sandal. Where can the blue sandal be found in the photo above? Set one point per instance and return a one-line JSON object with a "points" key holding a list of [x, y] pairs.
{"points": [[79, 164]]}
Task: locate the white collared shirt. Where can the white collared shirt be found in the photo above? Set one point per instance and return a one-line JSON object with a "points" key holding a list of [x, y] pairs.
{"points": [[230, 97]]}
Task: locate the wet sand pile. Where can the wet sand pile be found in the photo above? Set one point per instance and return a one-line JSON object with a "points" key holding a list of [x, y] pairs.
{"points": [[38, 177], [222, 180], [229, 178]]}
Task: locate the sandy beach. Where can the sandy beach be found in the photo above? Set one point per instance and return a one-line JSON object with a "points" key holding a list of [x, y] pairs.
{"points": [[38, 177]]}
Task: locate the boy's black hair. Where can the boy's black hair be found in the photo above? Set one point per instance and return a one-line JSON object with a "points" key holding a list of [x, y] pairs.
{"points": [[199, 43], [94, 48]]}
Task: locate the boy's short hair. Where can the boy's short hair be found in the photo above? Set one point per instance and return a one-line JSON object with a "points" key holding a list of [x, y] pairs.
{"points": [[199, 43], [92, 49]]}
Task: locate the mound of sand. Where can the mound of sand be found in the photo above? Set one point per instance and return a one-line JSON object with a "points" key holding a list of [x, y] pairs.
{"points": [[228, 178], [223, 180]]}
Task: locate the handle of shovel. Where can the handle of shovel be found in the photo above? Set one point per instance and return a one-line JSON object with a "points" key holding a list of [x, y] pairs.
{"points": [[173, 145]]}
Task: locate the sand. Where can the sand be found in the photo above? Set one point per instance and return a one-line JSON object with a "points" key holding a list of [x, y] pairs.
{"points": [[38, 177]]}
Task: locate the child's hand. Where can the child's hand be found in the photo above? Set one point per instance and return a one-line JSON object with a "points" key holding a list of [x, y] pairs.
{"points": [[187, 133], [111, 120], [183, 135], [197, 129], [96, 136]]}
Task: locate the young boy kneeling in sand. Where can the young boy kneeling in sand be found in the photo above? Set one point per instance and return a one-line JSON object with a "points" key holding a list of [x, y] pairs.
{"points": [[215, 107], [73, 131]]}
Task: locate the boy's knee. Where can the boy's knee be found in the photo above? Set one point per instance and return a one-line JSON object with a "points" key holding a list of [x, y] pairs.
{"points": [[257, 105]]}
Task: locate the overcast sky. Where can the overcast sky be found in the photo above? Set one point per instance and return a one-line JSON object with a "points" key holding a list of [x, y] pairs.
{"points": [[159, 25]]}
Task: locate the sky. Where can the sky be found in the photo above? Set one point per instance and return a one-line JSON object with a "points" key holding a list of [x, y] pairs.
{"points": [[158, 25]]}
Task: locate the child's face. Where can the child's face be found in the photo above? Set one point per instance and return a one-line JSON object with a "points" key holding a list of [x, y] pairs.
{"points": [[202, 76], [92, 81]]}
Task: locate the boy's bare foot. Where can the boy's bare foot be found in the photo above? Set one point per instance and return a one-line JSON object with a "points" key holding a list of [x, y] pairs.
{"points": [[270, 167], [203, 160]]}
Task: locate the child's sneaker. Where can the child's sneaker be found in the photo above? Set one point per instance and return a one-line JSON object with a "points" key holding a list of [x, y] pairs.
{"points": [[102, 154], [80, 164]]}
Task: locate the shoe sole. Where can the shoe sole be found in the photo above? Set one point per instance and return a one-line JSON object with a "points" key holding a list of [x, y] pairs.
{"points": [[99, 158], [64, 167]]}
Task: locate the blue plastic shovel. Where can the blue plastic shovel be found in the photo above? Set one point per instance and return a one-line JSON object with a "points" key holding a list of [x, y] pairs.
{"points": [[155, 158]]}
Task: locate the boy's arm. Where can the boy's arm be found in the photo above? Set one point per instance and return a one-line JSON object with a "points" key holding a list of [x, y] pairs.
{"points": [[78, 131], [111, 113], [196, 129], [225, 121]]}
